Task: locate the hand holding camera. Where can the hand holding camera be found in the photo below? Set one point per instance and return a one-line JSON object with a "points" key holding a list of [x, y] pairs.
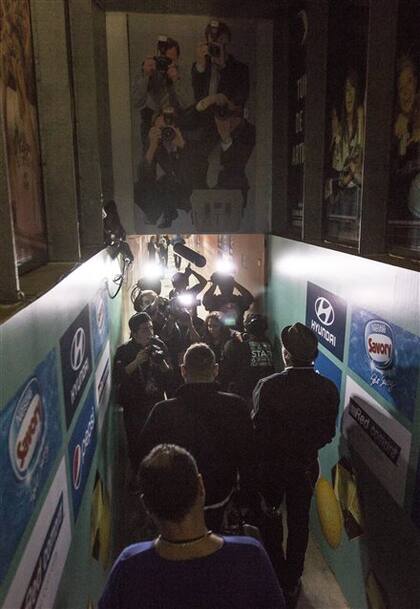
{"points": [[173, 73], [142, 356], [201, 55]]}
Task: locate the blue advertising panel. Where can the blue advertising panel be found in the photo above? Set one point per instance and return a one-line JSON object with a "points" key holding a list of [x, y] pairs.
{"points": [[387, 358], [99, 317], [76, 362], [30, 439], [324, 366], [81, 450], [326, 316]]}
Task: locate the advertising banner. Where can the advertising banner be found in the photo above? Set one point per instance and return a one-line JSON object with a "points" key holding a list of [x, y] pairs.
{"points": [[326, 316], [298, 33], [387, 358], [76, 362], [99, 317], [324, 366], [382, 442], [81, 450], [103, 385], [38, 575], [30, 438]]}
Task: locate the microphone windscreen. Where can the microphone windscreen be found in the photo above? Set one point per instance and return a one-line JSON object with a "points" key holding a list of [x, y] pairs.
{"points": [[189, 254]]}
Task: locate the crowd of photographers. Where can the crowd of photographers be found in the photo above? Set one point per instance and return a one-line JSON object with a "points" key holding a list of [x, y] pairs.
{"points": [[194, 130], [209, 386]]}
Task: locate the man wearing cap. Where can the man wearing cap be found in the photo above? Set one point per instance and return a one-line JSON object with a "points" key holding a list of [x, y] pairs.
{"points": [[142, 373], [294, 415]]}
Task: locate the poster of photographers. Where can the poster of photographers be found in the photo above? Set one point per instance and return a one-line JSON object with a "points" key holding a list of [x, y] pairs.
{"points": [[18, 112], [194, 127], [404, 206], [298, 33], [345, 119]]}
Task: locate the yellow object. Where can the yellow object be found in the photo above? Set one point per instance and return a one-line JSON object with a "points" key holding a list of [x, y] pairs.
{"points": [[329, 512], [100, 524]]}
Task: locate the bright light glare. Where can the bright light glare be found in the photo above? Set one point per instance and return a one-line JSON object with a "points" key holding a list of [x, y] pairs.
{"points": [[151, 270], [225, 265], [186, 300]]}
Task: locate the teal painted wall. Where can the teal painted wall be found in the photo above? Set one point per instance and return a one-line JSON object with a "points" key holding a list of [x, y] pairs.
{"points": [[389, 546], [59, 442]]}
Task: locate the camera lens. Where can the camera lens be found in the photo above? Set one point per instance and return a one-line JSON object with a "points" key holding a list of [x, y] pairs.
{"points": [[168, 134]]}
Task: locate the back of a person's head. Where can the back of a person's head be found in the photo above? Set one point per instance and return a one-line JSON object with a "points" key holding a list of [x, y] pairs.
{"points": [[168, 478], [199, 361]]}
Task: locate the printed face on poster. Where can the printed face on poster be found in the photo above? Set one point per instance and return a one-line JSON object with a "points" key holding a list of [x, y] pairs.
{"points": [[30, 438], [19, 115], [39, 572], [193, 83], [387, 358], [345, 118], [379, 439], [404, 204]]}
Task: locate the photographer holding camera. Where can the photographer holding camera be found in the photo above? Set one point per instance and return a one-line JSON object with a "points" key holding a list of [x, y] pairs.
{"points": [[161, 82], [166, 177], [230, 142], [232, 306], [216, 70], [142, 373]]}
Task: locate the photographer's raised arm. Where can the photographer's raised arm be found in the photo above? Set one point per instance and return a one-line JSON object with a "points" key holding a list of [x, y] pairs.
{"points": [[202, 282], [154, 141], [141, 82], [245, 293], [207, 297]]}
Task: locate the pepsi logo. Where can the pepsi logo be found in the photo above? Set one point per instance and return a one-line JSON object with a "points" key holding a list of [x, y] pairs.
{"points": [[78, 347], [27, 431], [379, 343], [324, 311], [77, 466]]}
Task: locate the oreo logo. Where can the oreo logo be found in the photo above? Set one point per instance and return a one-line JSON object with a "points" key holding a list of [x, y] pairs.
{"points": [[27, 431], [379, 343], [77, 466]]}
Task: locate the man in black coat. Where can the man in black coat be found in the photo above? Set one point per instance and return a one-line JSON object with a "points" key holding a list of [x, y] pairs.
{"points": [[294, 415], [142, 373], [214, 426]]}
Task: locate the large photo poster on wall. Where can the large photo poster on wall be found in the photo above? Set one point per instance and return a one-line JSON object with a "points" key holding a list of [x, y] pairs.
{"points": [[194, 122], [404, 204], [298, 32], [345, 119], [18, 111]]}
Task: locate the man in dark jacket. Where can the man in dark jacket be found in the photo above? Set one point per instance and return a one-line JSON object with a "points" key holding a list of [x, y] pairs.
{"points": [[142, 373], [294, 415], [247, 358], [214, 426]]}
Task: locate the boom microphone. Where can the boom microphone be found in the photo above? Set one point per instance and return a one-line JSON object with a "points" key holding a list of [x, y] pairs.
{"points": [[189, 254]]}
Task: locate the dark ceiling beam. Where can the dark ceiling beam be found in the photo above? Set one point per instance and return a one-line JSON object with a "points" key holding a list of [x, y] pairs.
{"points": [[263, 9]]}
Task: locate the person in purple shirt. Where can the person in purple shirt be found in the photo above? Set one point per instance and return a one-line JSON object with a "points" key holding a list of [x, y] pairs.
{"points": [[187, 566]]}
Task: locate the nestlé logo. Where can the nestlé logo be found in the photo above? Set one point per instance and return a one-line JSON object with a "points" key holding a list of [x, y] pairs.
{"points": [[379, 343], [27, 431]]}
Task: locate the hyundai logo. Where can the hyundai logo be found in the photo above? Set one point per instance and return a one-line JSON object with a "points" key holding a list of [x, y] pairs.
{"points": [[324, 311], [77, 351]]}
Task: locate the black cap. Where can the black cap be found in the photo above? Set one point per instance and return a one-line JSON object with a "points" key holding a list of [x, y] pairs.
{"points": [[300, 341], [136, 320]]}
